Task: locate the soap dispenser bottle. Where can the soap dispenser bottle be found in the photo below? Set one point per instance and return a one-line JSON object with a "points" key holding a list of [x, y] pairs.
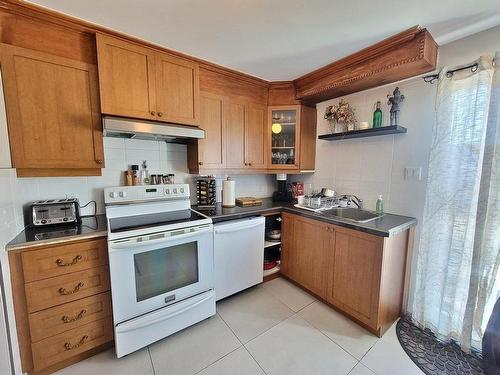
{"points": [[379, 207]]}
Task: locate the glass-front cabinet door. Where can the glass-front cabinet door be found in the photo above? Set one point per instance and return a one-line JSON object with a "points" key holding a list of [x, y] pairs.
{"points": [[284, 135]]}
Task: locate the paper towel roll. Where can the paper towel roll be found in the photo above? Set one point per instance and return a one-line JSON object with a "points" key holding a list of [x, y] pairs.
{"points": [[228, 193]]}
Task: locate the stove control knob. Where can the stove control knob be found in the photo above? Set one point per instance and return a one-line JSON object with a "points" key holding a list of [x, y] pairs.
{"points": [[175, 191], [167, 191], [123, 194], [113, 194], [182, 190]]}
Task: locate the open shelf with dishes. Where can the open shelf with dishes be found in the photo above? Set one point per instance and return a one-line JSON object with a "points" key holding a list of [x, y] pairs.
{"points": [[272, 246]]}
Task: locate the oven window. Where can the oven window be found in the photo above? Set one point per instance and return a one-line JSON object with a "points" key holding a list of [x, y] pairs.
{"points": [[162, 270]]}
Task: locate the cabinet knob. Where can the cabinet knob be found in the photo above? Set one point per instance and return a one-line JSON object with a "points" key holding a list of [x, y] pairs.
{"points": [[153, 113], [249, 164], [200, 163], [160, 114], [99, 161]]}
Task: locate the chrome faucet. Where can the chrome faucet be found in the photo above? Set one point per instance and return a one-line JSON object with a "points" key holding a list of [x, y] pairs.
{"points": [[354, 199]]}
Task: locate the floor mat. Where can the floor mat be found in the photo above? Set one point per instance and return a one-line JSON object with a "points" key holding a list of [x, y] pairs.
{"points": [[432, 356]]}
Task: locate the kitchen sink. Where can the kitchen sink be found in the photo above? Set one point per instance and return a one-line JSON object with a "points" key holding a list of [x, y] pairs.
{"points": [[354, 214]]}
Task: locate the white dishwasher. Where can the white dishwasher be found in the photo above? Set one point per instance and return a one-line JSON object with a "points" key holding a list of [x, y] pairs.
{"points": [[238, 255]]}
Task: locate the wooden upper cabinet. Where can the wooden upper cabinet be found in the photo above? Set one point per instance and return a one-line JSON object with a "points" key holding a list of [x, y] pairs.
{"points": [[53, 114], [213, 120], [255, 136], [126, 78], [355, 274], [283, 137], [235, 135], [140, 82], [177, 90]]}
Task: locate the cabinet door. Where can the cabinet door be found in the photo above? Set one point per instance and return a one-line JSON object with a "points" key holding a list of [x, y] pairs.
{"points": [[126, 78], [53, 113], [235, 135], [307, 249], [283, 134], [355, 276], [212, 120], [177, 90], [255, 136]]}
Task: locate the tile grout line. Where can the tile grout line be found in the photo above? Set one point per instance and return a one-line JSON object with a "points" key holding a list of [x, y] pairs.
{"points": [[151, 360], [258, 364], [217, 360]]}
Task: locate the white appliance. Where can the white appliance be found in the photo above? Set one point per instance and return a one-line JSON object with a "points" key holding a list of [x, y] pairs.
{"points": [[161, 263], [239, 255]]}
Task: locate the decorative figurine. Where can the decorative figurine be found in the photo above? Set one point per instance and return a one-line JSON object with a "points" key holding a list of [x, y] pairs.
{"points": [[394, 101]]}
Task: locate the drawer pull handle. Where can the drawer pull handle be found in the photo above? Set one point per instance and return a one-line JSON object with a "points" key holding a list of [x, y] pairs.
{"points": [[75, 260], [70, 346], [67, 319], [64, 292]]}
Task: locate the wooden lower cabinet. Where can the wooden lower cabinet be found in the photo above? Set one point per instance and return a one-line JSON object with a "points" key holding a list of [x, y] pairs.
{"points": [[360, 274], [62, 303], [306, 248]]}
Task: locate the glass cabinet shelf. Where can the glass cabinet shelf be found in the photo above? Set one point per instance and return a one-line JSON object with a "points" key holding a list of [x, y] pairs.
{"points": [[284, 132]]}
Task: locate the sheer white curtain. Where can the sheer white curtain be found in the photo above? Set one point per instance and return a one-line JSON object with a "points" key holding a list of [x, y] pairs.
{"points": [[458, 256]]}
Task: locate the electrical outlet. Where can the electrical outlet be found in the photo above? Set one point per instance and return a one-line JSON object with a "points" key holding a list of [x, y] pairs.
{"points": [[413, 173]]}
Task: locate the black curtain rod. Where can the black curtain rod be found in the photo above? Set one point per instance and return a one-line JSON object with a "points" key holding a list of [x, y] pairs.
{"points": [[431, 78]]}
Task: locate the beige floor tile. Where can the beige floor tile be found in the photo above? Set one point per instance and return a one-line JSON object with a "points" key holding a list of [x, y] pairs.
{"points": [[294, 347], [387, 357], [107, 363], [291, 295], [238, 362], [361, 369], [349, 335], [194, 348], [252, 312]]}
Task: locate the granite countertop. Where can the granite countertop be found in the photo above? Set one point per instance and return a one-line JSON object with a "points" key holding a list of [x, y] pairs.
{"points": [[386, 226], [89, 227]]}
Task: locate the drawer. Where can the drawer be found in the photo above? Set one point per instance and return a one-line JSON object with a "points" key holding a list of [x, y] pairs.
{"points": [[68, 344], [71, 315], [55, 291], [63, 259]]}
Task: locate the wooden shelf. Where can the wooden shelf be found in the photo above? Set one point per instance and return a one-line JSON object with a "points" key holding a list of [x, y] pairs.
{"points": [[271, 243], [283, 147], [372, 132]]}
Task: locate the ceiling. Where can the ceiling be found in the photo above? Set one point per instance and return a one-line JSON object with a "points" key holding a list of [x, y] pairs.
{"points": [[279, 40]]}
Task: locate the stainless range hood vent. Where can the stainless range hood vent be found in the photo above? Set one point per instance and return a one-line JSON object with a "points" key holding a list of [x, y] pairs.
{"points": [[143, 129]]}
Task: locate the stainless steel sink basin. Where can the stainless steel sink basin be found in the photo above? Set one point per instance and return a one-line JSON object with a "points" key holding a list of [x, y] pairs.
{"points": [[354, 214]]}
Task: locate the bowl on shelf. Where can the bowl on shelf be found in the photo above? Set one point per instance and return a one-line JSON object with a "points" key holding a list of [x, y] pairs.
{"points": [[273, 235]]}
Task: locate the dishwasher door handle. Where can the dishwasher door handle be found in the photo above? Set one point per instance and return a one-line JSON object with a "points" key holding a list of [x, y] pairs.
{"points": [[236, 228]]}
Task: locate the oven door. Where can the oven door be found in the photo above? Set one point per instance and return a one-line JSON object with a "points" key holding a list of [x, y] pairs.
{"points": [[152, 271]]}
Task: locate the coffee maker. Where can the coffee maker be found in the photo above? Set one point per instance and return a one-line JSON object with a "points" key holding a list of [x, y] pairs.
{"points": [[284, 192]]}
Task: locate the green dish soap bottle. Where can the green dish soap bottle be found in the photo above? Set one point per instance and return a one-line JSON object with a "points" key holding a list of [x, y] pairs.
{"points": [[379, 207], [377, 116]]}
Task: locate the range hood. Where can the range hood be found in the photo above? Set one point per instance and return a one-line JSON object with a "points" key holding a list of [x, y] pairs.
{"points": [[143, 129]]}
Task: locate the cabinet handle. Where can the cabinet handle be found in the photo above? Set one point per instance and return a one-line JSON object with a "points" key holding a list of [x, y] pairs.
{"points": [[99, 161], [249, 164], [153, 113], [70, 346], [64, 292], [80, 315], [200, 163], [160, 114], [75, 260]]}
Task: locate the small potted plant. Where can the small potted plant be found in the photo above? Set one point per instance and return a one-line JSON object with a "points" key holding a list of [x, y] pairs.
{"points": [[341, 117]]}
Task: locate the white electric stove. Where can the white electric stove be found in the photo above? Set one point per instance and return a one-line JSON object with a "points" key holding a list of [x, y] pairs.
{"points": [[161, 263]]}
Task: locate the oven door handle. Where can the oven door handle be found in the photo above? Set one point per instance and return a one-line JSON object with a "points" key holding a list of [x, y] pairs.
{"points": [[155, 238], [142, 322]]}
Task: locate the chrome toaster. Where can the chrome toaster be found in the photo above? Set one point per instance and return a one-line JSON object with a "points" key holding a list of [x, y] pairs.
{"points": [[52, 211]]}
